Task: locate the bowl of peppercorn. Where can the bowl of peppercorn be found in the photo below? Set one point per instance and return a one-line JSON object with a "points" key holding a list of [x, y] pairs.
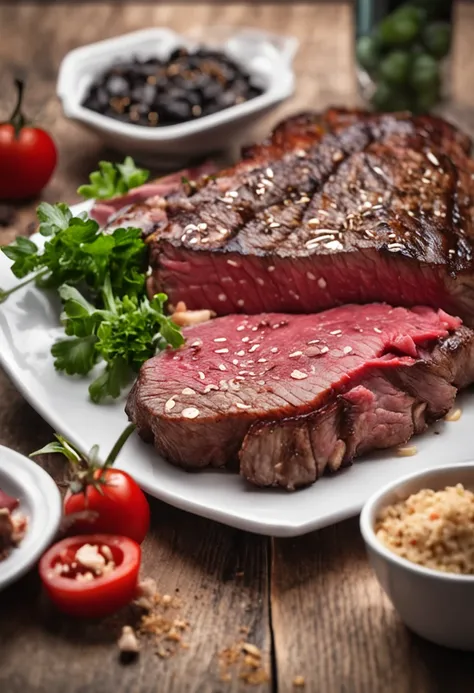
{"points": [[169, 99]]}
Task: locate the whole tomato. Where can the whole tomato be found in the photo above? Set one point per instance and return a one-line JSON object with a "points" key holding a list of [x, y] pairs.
{"points": [[28, 156], [101, 498], [116, 504]]}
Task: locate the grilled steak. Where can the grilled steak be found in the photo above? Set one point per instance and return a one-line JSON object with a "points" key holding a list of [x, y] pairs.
{"points": [[146, 199], [292, 396], [340, 208]]}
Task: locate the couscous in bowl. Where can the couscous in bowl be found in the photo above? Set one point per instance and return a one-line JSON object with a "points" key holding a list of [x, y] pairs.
{"points": [[434, 602]]}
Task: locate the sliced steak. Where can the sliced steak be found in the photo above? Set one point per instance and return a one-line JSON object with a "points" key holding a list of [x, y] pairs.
{"points": [[292, 396], [345, 207]]}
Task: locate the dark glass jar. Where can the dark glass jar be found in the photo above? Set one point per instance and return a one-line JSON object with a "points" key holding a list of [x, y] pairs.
{"points": [[402, 53]]}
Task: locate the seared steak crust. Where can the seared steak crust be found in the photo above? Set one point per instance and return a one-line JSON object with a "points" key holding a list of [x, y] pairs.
{"points": [[333, 208], [294, 396]]}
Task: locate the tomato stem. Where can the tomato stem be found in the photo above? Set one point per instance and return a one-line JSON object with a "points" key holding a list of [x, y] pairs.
{"points": [[17, 118], [112, 456], [5, 294]]}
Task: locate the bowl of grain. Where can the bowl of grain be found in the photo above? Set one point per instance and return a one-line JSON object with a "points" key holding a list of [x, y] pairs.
{"points": [[419, 534]]}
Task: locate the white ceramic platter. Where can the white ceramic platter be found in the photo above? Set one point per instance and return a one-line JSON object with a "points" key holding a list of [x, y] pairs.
{"points": [[39, 500], [29, 325]]}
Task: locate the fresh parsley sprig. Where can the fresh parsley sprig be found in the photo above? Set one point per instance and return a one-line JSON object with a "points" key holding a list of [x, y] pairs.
{"points": [[77, 251], [124, 334], [100, 276], [113, 179]]}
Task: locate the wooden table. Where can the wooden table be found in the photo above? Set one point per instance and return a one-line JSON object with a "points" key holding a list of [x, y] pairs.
{"points": [[311, 604]]}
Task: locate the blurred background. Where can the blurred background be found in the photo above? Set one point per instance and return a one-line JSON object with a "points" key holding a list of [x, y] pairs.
{"points": [[370, 52]]}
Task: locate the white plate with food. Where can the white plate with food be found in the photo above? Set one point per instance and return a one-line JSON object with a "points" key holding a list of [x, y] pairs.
{"points": [[29, 324], [294, 395], [30, 513]]}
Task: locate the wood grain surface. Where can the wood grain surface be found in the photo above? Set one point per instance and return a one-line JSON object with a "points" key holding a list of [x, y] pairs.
{"points": [[312, 604]]}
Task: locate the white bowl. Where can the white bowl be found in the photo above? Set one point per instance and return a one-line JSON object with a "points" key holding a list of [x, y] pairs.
{"points": [[40, 501], [438, 606], [266, 57]]}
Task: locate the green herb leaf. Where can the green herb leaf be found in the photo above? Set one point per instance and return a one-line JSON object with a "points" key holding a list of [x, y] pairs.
{"points": [[53, 218], [24, 254], [124, 335], [131, 175], [115, 376], [113, 179], [49, 448], [63, 447], [76, 356], [79, 317]]}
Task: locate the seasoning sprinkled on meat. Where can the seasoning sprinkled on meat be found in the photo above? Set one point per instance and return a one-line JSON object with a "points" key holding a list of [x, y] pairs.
{"points": [[355, 210], [287, 418]]}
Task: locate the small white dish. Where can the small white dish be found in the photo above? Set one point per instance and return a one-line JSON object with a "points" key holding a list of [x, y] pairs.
{"points": [[40, 501], [436, 605], [266, 57]]}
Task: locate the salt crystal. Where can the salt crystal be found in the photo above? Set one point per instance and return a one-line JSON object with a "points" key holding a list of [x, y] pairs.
{"points": [[298, 375], [170, 404], [190, 413]]}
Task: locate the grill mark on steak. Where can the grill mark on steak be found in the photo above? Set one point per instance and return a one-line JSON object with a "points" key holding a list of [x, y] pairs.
{"points": [[225, 208], [379, 226], [317, 389]]}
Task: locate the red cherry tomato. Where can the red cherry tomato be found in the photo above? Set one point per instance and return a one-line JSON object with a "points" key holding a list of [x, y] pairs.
{"points": [[118, 506], [101, 594], [28, 156]]}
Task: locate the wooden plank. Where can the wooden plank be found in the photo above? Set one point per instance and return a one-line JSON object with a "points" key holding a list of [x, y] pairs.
{"points": [[219, 574], [331, 622], [333, 625]]}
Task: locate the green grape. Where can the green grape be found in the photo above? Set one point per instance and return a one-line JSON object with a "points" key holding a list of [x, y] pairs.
{"points": [[395, 67], [437, 38], [400, 27], [424, 73], [367, 52], [426, 100]]}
